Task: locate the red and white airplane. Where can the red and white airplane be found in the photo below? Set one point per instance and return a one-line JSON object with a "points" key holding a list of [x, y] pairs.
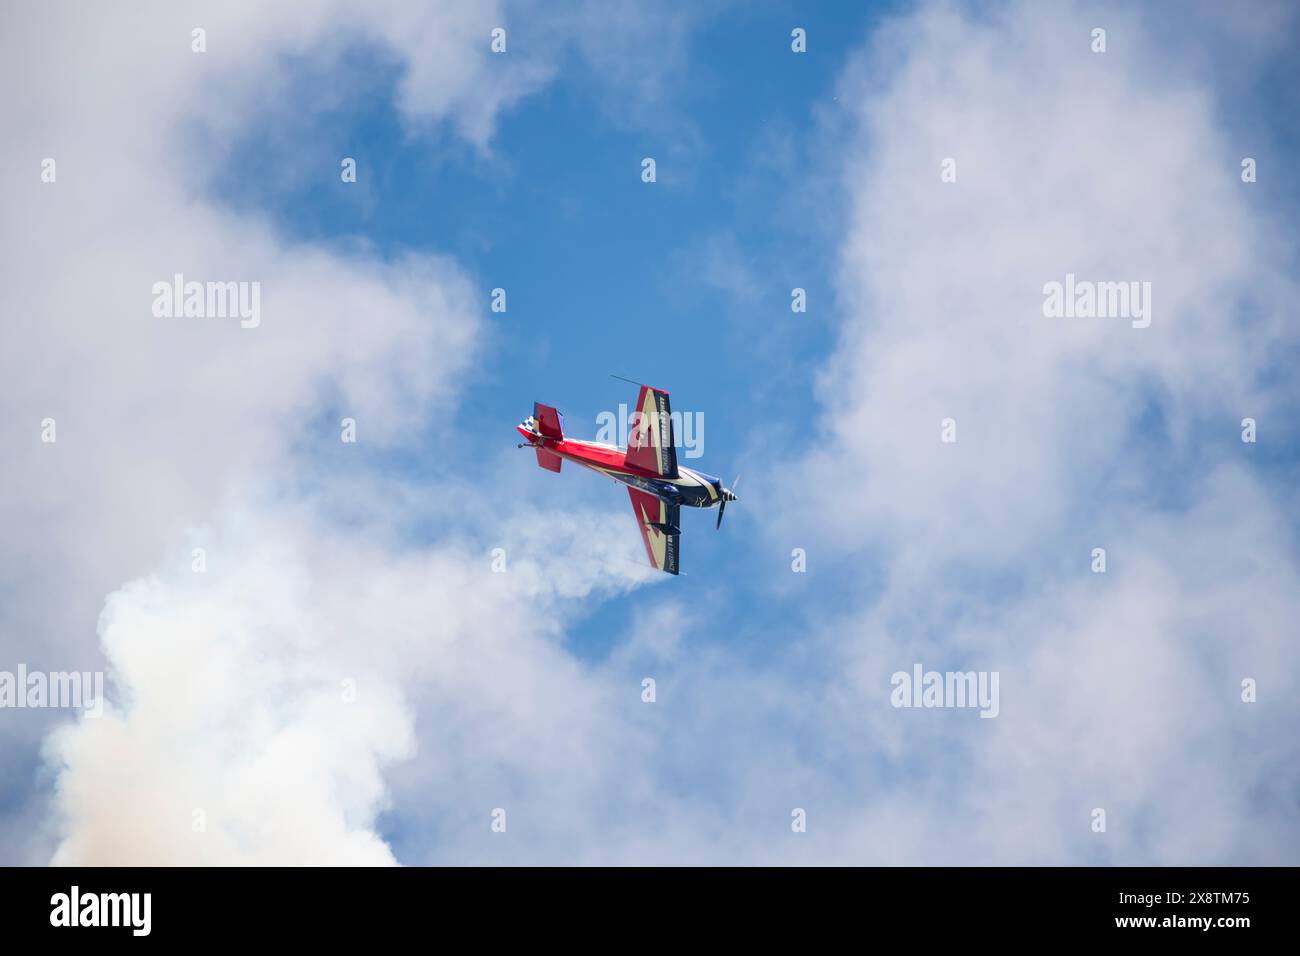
{"points": [[657, 485]]}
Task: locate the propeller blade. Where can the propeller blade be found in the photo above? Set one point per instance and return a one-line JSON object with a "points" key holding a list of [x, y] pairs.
{"points": [[722, 506]]}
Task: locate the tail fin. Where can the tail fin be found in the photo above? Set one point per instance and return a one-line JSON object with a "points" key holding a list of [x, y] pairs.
{"points": [[548, 460], [549, 422]]}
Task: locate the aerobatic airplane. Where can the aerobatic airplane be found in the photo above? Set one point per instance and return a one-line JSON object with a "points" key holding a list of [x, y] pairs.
{"points": [[657, 485]]}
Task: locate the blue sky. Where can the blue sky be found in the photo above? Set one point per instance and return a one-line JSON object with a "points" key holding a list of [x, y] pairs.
{"points": [[370, 562], [604, 273]]}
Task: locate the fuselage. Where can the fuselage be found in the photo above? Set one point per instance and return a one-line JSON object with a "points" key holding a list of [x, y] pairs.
{"points": [[691, 488]]}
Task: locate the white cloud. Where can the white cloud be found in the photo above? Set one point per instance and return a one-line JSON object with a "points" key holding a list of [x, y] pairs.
{"points": [[1059, 170], [161, 420], [1119, 691], [274, 692]]}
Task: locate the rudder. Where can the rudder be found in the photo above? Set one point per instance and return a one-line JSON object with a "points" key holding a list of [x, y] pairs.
{"points": [[550, 423]]}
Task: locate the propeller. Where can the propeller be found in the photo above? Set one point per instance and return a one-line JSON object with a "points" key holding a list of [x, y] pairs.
{"points": [[727, 495]]}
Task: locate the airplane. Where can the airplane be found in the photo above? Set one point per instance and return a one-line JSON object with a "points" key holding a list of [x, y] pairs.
{"points": [[657, 485]]}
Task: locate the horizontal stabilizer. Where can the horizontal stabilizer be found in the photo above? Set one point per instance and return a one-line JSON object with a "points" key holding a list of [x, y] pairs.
{"points": [[548, 460]]}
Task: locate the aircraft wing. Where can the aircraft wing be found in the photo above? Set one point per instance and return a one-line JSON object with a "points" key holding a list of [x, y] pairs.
{"points": [[650, 444], [661, 544]]}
